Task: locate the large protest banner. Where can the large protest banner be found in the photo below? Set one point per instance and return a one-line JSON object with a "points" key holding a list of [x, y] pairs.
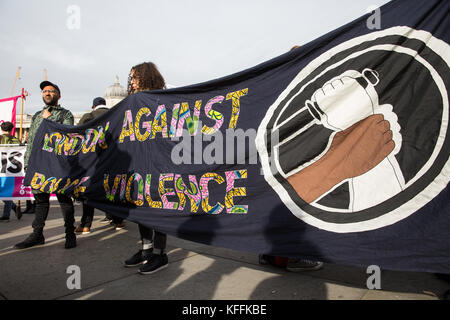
{"points": [[337, 151], [12, 173]]}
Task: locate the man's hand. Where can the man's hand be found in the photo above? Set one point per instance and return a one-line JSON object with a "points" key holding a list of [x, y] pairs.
{"points": [[46, 114]]}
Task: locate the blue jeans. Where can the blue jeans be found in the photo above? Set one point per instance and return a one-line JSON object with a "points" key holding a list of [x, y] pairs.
{"points": [[7, 208]]}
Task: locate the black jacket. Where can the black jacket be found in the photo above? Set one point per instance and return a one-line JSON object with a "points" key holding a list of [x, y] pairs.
{"points": [[92, 115]]}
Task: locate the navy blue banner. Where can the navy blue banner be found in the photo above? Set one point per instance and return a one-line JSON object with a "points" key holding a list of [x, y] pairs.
{"points": [[336, 151]]}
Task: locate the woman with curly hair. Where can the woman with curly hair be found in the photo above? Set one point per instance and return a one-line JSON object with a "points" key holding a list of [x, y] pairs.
{"points": [[152, 256], [145, 77]]}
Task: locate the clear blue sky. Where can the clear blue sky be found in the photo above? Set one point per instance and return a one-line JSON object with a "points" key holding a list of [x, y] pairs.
{"points": [[190, 41]]}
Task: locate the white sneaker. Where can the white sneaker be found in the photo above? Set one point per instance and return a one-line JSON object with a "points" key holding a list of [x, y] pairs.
{"points": [[119, 226]]}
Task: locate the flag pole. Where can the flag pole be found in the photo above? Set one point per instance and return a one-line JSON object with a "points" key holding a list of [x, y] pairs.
{"points": [[22, 96], [21, 115], [15, 81]]}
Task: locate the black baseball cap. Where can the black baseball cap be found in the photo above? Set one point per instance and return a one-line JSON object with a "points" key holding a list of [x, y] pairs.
{"points": [[48, 83], [98, 101]]}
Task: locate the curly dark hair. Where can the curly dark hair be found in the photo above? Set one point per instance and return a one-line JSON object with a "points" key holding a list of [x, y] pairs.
{"points": [[147, 76], [7, 126]]}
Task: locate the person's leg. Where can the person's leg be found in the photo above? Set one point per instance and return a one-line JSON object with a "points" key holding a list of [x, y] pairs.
{"points": [[86, 220], [143, 255], [118, 222], [146, 237], [28, 205], [159, 259], [88, 216], [68, 212], [31, 204], [7, 209], [159, 242], [107, 218], [16, 210], [40, 212], [40, 215]]}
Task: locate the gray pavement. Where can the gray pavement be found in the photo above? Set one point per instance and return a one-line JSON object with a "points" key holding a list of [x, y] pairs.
{"points": [[195, 271]]}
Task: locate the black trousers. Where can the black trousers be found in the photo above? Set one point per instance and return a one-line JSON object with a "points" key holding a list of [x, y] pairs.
{"points": [[88, 216], [42, 207], [159, 239]]}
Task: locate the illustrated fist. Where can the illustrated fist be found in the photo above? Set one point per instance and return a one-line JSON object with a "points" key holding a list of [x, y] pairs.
{"points": [[346, 99], [353, 152], [361, 147]]}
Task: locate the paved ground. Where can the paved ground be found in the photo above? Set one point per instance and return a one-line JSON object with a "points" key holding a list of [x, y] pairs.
{"points": [[195, 272]]}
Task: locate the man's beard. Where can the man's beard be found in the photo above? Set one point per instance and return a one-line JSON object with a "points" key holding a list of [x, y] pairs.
{"points": [[52, 102]]}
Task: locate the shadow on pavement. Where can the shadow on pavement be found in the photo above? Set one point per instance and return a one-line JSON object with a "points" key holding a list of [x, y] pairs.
{"points": [[195, 271]]}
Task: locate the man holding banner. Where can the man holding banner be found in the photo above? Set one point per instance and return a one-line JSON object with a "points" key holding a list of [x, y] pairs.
{"points": [[54, 112]]}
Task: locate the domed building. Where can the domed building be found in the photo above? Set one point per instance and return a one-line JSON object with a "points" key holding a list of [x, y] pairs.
{"points": [[114, 94]]}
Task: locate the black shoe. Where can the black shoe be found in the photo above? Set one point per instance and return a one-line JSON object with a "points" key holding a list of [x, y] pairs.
{"points": [[142, 256], [4, 219], [71, 241], [32, 240], [298, 265], [157, 262]]}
